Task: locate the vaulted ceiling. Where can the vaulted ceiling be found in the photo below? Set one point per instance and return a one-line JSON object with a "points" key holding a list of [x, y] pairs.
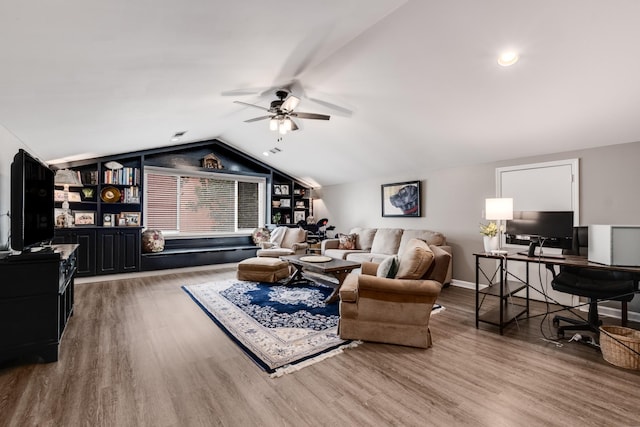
{"points": [[409, 85]]}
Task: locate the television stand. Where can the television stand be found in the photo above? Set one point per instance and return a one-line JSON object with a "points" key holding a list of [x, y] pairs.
{"points": [[36, 301]]}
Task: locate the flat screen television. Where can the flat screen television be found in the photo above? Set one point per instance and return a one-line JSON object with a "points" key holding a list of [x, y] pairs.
{"points": [[32, 213], [551, 229]]}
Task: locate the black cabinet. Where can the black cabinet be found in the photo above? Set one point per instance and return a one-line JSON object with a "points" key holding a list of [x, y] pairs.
{"points": [[86, 254], [118, 250], [36, 302], [103, 250]]}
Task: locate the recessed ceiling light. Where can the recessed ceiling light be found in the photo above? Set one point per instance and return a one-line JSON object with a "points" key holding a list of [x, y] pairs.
{"points": [[508, 58], [266, 153]]}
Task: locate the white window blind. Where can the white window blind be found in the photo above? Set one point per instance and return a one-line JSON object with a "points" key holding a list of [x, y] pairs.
{"points": [[202, 203]]}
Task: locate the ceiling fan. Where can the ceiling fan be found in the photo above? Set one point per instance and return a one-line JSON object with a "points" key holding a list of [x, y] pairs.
{"points": [[282, 112]]}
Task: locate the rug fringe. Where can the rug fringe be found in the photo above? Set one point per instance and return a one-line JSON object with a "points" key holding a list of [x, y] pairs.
{"points": [[287, 369]]}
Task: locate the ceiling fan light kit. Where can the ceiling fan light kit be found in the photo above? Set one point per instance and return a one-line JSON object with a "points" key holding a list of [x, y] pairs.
{"points": [[281, 117]]}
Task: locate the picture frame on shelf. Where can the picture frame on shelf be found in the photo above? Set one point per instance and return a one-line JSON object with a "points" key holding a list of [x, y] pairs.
{"points": [[84, 218], [108, 220], [74, 197], [298, 216], [88, 194], [401, 199], [58, 195], [62, 218], [285, 203], [131, 219], [284, 189], [276, 190]]}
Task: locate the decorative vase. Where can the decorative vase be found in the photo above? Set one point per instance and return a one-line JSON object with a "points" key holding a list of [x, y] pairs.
{"points": [[490, 243]]}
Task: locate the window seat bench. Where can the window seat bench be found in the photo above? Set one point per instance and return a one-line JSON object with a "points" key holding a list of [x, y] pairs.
{"points": [[179, 253]]}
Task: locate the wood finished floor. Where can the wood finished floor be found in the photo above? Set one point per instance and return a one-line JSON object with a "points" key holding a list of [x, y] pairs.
{"points": [[138, 351]]}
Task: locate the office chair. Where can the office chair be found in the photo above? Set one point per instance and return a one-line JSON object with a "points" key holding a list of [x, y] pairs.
{"points": [[596, 285]]}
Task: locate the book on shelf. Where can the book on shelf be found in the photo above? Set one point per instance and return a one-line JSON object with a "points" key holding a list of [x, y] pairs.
{"points": [[131, 195], [124, 176]]}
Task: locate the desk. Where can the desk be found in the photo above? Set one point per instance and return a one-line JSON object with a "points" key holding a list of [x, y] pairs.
{"points": [[503, 285]]}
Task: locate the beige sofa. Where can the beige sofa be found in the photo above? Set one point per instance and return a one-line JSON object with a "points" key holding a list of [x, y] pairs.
{"points": [[376, 244]]}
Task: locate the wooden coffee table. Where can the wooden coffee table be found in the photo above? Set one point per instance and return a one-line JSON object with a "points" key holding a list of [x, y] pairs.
{"points": [[337, 268]]}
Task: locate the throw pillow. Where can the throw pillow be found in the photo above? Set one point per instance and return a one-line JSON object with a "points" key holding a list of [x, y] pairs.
{"points": [[347, 241], [415, 261], [152, 241], [260, 235], [388, 268]]}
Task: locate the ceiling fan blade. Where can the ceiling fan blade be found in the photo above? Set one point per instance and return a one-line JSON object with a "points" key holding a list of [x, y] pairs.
{"points": [[290, 103], [257, 119], [251, 105], [341, 111], [294, 125], [311, 116]]}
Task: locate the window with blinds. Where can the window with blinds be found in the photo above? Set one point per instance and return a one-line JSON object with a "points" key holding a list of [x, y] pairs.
{"points": [[181, 202]]}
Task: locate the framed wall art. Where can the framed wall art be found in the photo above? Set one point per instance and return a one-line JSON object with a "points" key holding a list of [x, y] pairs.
{"points": [[131, 219], [84, 218], [281, 189], [402, 199], [298, 216]]}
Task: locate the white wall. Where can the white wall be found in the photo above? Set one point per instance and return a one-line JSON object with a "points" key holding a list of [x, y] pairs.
{"points": [[453, 199], [9, 146]]}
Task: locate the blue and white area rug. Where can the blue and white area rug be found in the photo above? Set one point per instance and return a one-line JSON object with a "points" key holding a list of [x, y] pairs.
{"points": [[282, 328]]}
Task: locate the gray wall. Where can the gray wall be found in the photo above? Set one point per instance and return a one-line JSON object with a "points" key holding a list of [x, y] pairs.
{"points": [[454, 199]]}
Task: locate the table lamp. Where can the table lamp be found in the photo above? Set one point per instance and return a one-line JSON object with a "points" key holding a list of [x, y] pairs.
{"points": [[67, 178], [499, 209]]}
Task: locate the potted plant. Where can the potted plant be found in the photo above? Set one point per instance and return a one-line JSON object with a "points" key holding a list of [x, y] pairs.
{"points": [[490, 236], [276, 217]]}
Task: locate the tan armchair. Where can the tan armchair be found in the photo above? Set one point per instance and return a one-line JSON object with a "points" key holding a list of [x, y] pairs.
{"points": [[393, 310], [284, 241]]}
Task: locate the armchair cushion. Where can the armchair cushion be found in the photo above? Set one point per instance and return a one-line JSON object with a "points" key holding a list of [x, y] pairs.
{"points": [[267, 245], [293, 236], [415, 261]]}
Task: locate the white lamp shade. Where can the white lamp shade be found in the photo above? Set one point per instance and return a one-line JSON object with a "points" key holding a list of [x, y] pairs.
{"points": [[497, 209], [68, 177]]}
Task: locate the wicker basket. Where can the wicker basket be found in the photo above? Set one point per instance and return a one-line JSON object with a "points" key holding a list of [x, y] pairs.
{"points": [[612, 339]]}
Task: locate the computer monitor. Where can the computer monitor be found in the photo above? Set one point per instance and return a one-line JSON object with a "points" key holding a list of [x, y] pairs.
{"points": [[549, 229]]}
